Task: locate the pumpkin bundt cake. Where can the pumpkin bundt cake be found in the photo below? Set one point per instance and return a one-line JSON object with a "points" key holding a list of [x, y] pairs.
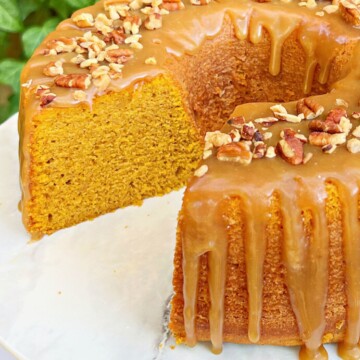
{"points": [[268, 241], [115, 100]]}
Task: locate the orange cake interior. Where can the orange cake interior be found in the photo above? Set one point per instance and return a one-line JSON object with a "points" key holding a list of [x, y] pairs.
{"points": [[114, 104]]}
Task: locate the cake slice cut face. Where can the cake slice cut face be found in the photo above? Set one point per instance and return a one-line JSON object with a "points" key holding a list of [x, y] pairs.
{"points": [[115, 101], [268, 245]]}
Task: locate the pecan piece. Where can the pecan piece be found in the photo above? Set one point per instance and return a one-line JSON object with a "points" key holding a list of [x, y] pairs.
{"points": [[84, 20], [266, 121], [248, 131], [173, 5], [47, 98], [259, 150], [217, 138], [116, 37], [324, 126], [310, 108], [201, 171], [74, 81], [353, 145], [329, 149], [323, 138], [236, 152], [132, 24], [291, 150], [237, 122], [153, 21], [119, 56], [350, 12], [335, 115]]}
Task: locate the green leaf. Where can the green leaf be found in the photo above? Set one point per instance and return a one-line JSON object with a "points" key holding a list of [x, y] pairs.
{"points": [[80, 3], [27, 7], [10, 71], [9, 16], [32, 37], [4, 43], [10, 108], [64, 11]]}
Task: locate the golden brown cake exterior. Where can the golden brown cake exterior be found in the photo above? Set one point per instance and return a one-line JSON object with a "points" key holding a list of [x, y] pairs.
{"points": [[112, 111]]}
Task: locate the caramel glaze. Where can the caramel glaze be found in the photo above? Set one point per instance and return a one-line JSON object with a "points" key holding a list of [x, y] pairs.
{"points": [[182, 33], [300, 188]]}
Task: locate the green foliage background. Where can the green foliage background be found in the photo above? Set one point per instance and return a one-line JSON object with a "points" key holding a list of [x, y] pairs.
{"points": [[23, 25]]}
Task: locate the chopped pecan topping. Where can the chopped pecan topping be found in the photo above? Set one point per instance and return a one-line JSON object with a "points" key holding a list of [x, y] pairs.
{"points": [[350, 11], [116, 37], [41, 89], [329, 149], [150, 61], [119, 56], [325, 126], [323, 138], [79, 95], [217, 138], [75, 81], [237, 122], [153, 21], [173, 5], [201, 171], [47, 98], [353, 145], [200, 2], [236, 152], [207, 154], [258, 136], [84, 20], [290, 148], [307, 158], [310, 108], [267, 121], [247, 131], [341, 102], [103, 24], [235, 135], [132, 24], [356, 132], [54, 69], [259, 150], [270, 152], [356, 115], [61, 45], [335, 115]]}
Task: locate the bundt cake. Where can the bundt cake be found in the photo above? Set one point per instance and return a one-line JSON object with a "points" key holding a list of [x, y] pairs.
{"points": [[268, 241], [115, 101]]}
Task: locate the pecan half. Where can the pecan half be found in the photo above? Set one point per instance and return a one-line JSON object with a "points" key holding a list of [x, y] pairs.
{"points": [[291, 150], [323, 138], [236, 152], [310, 108], [74, 81], [325, 126]]}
